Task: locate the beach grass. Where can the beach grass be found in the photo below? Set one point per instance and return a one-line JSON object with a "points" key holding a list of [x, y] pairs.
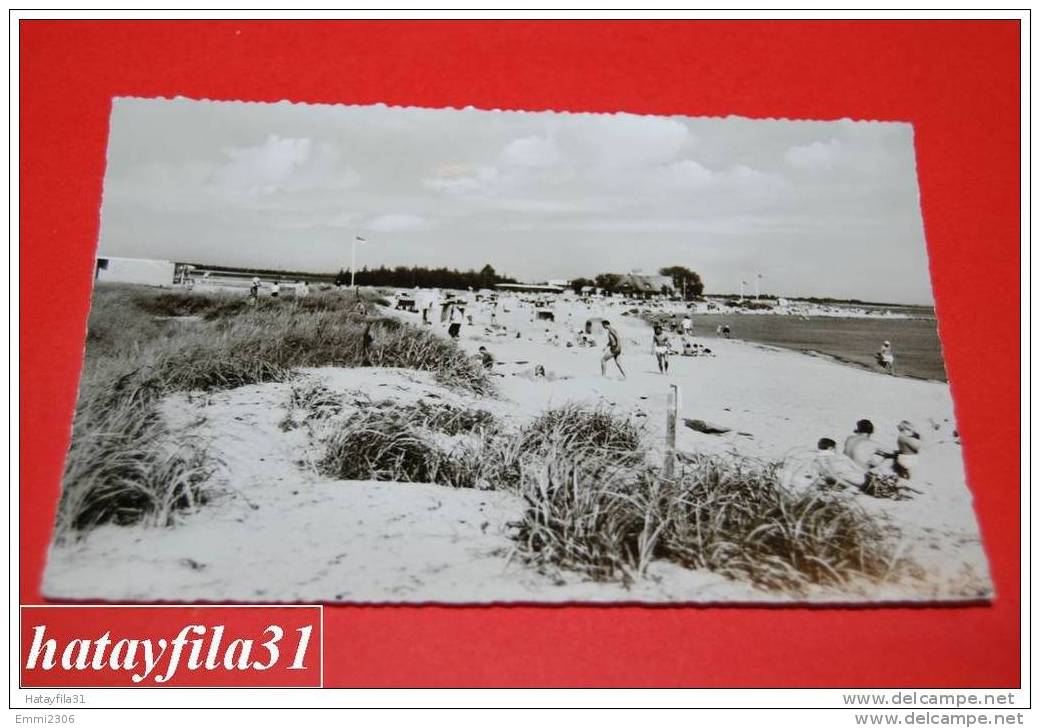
{"points": [[121, 466], [414, 443], [731, 517], [596, 503]]}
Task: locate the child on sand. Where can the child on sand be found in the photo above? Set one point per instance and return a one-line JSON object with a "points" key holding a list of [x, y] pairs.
{"points": [[613, 350], [908, 445], [660, 349], [487, 359]]}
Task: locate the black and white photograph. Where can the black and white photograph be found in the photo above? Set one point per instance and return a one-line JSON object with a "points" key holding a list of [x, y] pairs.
{"points": [[378, 354]]}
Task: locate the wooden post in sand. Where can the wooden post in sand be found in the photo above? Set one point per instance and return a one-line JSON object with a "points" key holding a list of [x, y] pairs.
{"points": [[669, 436]]}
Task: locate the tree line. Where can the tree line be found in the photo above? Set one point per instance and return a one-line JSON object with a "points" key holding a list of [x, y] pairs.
{"points": [[411, 276], [684, 280]]}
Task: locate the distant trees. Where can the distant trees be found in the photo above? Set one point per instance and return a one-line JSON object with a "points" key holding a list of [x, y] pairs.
{"points": [[685, 280], [487, 277], [608, 282], [578, 283], [411, 276]]}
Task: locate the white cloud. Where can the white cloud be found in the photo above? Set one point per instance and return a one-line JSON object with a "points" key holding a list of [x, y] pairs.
{"points": [[625, 140], [521, 204], [461, 179], [815, 156], [688, 173], [532, 151], [398, 222], [345, 220], [279, 164]]}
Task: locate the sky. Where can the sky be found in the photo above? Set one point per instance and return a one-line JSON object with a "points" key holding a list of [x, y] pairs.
{"points": [[825, 208]]}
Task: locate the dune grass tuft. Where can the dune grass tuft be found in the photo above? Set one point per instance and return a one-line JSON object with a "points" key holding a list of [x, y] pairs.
{"points": [[413, 443], [124, 465], [730, 517]]}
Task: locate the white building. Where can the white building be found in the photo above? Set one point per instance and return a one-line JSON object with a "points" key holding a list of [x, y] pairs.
{"points": [[109, 269]]}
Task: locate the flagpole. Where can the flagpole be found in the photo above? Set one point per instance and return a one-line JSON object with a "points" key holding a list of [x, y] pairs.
{"points": [[353, 260]]}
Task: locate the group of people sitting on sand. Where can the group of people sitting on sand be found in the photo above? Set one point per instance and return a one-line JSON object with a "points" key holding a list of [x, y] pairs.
{"points": [[863, 462]]}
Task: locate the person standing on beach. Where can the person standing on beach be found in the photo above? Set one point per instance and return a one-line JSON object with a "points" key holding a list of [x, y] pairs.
{"points": [[366, 346], [687, 325], [661, 349], [887, 358], [613, 350], [455, 319], [254, 291]]}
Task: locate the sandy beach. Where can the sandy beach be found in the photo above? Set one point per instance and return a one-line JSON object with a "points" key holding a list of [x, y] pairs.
{"points": [[280, 532]]}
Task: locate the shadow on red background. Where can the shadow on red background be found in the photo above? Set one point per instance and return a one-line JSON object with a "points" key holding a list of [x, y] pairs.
{"points": [[957, 82]]}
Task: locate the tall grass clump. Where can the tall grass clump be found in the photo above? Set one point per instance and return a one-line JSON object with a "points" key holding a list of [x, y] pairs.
{"points": [[451, 420], [581, 515], [124, 466], [569, 432], [237, 343], [737, 519], [266, 345], [733, 518], [311, 401], [573, 429], [417, 443]]}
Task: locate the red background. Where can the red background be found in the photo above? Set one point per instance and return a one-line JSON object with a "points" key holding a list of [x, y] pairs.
{"points": [[958, 82]]}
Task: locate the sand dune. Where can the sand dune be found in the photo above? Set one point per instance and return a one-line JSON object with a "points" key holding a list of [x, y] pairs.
{"points": [[281, 532]]}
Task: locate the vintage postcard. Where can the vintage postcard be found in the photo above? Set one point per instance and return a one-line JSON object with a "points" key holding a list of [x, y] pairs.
{"points": [[384, 355]]}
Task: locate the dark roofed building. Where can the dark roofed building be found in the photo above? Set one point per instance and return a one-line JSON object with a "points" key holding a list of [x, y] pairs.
{"points": [[637, 285]]}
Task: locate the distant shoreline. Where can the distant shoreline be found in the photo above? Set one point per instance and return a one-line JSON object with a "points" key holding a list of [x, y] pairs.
{"points": [[844, 361], [851, 341]]}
